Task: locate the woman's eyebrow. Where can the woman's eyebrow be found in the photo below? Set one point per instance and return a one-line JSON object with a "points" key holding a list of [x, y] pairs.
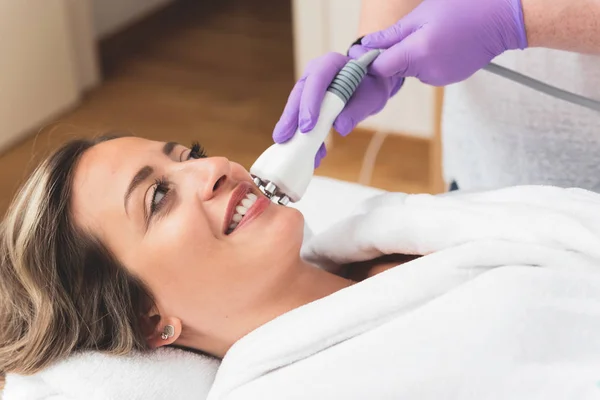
{"points": [[140, 177], [144, 173], [168, 148]]}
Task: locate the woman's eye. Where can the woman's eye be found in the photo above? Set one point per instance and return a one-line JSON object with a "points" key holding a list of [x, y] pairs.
{"points": [[196, 151], [158, 196], [160, 191]]}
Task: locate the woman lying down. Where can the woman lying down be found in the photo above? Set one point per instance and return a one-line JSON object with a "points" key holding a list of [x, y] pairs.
{"points": [[126, 244]]}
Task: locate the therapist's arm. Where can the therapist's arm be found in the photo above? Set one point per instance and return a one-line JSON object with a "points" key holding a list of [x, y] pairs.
{"points": [[376, 15], [572, 25]]}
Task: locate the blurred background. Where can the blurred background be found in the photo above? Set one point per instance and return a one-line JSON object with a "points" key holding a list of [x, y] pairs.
{"points": [[216, 71]]}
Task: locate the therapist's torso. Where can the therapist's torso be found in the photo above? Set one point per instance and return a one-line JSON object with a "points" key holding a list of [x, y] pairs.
{"points": [[497, 133]]}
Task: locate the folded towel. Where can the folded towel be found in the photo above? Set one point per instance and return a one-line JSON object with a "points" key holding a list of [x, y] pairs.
{"points": [[162, 374]]}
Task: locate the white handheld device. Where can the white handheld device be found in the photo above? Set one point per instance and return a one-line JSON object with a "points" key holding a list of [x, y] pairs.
{"points": [[284, 170]]}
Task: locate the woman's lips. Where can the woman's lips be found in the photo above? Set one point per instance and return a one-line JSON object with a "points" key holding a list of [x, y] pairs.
{"points": [[239, 193], [242, 189], [253, 212]]}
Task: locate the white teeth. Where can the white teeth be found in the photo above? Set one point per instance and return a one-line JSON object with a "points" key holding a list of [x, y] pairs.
{"points": [[241, 210], [247, 203]]}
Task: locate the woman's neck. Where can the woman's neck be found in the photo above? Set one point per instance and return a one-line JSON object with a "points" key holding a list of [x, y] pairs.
{"points": [[306, 285], [311, 284]]}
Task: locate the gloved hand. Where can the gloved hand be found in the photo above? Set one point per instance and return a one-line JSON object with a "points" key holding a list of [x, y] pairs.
{"points": [[446, 41], [304, 102]]}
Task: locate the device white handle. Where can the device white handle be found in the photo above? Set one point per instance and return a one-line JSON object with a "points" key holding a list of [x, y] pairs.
{"points": [[290, 165], [308, 143]]}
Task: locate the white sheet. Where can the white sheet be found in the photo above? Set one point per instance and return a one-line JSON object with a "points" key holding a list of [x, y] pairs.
{"points": [[168, 373], [506, 305]]}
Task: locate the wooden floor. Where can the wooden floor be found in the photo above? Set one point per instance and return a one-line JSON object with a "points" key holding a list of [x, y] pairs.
{"points": [[219, 74]]}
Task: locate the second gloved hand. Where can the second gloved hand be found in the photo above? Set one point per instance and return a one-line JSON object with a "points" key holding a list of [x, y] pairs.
{"points": [[304, 102], [446, 41]]}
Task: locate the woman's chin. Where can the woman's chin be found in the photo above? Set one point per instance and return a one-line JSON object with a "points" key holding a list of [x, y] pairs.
{"points": [[280, 231], [284, 222], [267, 249], [277, 227]]}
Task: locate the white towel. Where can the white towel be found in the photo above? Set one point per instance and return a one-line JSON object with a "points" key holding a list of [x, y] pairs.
{"points": [[162, 374], [505, 304]]}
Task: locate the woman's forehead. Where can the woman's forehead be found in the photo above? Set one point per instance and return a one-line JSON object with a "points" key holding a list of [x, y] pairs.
{"points": [[111, 160], [115, 155], [104, 171]]}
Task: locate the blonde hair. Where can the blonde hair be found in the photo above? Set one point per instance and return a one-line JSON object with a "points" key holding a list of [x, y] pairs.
{"points": [[61, 289]]}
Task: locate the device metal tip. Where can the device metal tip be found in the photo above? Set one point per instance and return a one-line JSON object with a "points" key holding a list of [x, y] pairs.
{"points": [[271, 188], [284, 200]]}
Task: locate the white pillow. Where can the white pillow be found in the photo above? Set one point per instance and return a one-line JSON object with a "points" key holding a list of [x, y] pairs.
{"points": [[169, 373], [162, 374]]}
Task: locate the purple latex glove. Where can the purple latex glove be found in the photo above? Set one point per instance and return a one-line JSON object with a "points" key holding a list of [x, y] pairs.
{"points": [[304, 103], [446, 41]]}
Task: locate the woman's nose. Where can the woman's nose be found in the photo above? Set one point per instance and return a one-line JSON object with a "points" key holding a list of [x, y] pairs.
{"points": [[209, 175]]}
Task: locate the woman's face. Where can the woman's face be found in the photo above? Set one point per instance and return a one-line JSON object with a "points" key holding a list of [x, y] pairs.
{"points": [[166, 213]]}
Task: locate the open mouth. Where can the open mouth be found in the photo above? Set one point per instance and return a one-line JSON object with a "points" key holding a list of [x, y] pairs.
{"points": [[240, 211], [241, 207]]}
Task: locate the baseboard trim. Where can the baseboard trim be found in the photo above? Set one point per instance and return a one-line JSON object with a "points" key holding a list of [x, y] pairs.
{"points": [[404, 135]]}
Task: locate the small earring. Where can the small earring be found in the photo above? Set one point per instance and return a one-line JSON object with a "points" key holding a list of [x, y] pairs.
{"points": [[168, 332]]}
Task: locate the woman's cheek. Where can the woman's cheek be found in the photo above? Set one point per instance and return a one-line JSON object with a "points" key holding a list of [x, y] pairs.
{"points": [[191, 224]]}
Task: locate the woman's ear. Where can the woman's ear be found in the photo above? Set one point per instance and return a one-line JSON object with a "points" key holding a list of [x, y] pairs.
{"points": [[166, 332]]}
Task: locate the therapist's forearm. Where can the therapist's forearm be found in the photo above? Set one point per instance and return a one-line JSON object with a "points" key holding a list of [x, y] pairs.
{"points": [[572, 25], [379, 14]]}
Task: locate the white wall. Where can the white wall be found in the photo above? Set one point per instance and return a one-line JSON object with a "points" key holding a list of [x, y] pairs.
{"points": [[332, 25], [38, 72], [311, 31], [112, 15], [83, 37]]}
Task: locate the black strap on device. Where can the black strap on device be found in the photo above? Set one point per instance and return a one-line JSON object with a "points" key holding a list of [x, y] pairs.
{"points": [[357, 41]]}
